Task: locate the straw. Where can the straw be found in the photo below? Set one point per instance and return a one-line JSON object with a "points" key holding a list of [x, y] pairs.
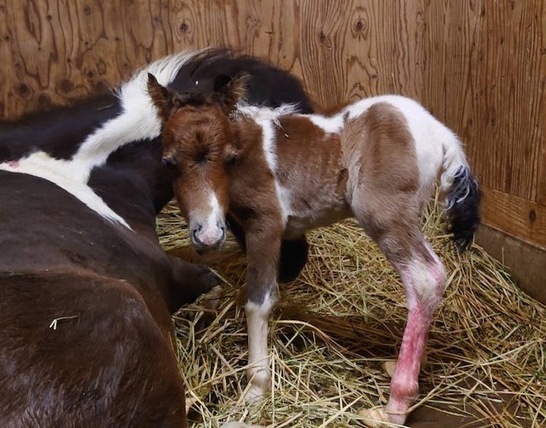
{"points": [[343, 318]]}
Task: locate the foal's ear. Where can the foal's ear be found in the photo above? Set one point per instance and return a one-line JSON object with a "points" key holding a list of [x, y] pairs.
{"points": [[231, 154], [162, 98], [229, 92]]}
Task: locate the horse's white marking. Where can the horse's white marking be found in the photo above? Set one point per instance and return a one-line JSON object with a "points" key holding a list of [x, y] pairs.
{"points": [[261, 113], [270, 153], [68, 176], [259, 375], [211, 225], [330, 125], [435, 144], [139, 120]]}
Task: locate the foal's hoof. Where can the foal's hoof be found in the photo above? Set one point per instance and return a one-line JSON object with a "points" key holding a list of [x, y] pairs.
{"points": [[255, 394], [259, 387], [378, 417]]}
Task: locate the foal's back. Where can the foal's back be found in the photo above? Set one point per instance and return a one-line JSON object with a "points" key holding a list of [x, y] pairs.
{"points": [[388, 144]]}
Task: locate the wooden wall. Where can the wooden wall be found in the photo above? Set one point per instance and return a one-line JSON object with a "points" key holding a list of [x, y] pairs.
{"points": [[478, 65]]}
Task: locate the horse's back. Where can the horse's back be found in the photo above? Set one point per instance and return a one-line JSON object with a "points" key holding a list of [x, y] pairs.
{"points": [[44, 227], [78, 349]]}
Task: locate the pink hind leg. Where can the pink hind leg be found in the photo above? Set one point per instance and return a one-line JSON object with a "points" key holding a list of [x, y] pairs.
{"points": [[424, 279]]}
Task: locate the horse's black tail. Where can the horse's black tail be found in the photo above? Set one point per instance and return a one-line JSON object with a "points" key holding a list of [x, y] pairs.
{"points": [[463, 201]]}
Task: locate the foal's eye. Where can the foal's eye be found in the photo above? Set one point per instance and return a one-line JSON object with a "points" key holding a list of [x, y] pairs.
{"points": [[170, 163], [231, 159]]}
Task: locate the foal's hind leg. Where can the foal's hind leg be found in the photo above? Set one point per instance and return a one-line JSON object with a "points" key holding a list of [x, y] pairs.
{"points": [[424, 279]]}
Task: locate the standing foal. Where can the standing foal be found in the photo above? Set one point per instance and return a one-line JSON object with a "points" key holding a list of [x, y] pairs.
{"points": [[281, 174]]}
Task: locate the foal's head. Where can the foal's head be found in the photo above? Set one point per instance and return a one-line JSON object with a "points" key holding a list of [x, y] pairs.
{"points": [[198, 147]]}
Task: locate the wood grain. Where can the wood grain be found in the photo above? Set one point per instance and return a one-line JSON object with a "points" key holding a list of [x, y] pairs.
{"points": [[515, 216], [486, 80], [478, 65]]}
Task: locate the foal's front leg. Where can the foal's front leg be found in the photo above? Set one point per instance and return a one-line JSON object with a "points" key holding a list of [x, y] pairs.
{"points": [[261, 293]]}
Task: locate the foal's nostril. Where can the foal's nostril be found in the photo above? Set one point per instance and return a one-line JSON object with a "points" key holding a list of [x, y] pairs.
{"points": [[195, 231], [222, 227]]}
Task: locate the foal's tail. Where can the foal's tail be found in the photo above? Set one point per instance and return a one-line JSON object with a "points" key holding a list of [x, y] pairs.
{"points": [[462, 195]]}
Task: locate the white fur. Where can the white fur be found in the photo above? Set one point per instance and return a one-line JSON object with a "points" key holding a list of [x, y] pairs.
{"points": [[138, 120], [270, 153], [261, 113], [436, 146], [330, 125], [259, 374], [68, 176], [211, 231]]}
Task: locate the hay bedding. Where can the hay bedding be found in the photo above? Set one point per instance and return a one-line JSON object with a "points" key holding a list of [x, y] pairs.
{"points": [[343, 318]]}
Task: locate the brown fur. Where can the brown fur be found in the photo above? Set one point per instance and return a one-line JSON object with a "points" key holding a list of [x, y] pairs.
{"points": [[86, 335], [386, 204], [369, 170]]}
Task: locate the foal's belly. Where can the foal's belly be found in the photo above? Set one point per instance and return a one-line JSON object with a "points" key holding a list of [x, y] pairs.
{"points": [[298, 224]]}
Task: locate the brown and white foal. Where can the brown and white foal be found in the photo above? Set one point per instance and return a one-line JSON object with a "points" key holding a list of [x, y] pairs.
{"points": [[281, 174]]}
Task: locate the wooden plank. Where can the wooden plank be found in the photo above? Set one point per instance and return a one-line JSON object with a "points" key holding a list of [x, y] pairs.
{"points": [[354, 54], [479, 65], [515, 216], [485, 78], [541, 192]]}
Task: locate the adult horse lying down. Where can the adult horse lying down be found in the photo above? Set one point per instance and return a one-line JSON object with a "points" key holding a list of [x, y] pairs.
{"points": [[86, 291], [280, 174]]}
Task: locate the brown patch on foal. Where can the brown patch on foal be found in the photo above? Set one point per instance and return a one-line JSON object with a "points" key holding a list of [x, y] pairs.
{"points": [[309, 164], [254, 205], [197, 138], [383, 185]]}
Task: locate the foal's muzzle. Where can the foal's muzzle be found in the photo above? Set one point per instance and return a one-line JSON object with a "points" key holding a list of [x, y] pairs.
{"points": [[209, 237]]}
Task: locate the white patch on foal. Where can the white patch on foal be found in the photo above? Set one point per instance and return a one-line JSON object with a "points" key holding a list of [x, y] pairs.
{"points": [[211, 225], [137, 121], [270, 153], [330, 125], [259, 372]]}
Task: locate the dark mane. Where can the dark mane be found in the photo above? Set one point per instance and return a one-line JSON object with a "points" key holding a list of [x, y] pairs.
{"points": [[197, 99], [268, 86]]}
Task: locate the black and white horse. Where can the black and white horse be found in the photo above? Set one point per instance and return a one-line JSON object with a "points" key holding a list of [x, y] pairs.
{"points": [[86, 291]]}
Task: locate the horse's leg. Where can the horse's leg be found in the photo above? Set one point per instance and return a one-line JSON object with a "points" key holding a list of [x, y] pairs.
{"points": [[261, 294], [293, 258], [293, 252], [188, 282], [424, 279]]}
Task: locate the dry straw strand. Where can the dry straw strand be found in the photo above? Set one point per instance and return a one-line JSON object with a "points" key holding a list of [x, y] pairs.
{"points": [[343, 317]]}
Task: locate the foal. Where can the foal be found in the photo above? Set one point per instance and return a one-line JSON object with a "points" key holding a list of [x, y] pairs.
{"points": [[281, 174]]}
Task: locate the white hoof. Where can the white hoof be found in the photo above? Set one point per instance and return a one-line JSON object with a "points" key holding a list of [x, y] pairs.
{"points": [[389, 367], [378, 417], [255, 394], [259, 386]]}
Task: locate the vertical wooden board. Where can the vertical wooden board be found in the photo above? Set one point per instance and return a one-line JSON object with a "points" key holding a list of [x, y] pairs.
{"points": [[244, 25], [361, 48], [61, 50], [490, 55], [5, 53], [541, 193]]}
